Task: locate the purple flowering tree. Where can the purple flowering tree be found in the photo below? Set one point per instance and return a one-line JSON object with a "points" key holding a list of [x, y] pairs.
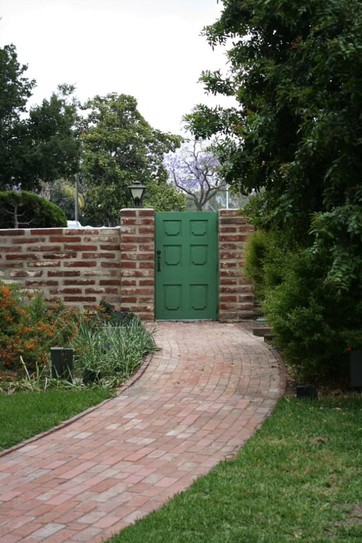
{"points": [[194, 170]]}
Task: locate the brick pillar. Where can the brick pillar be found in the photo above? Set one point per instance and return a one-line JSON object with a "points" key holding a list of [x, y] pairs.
{"points": [[138, 262], [236, 294]]}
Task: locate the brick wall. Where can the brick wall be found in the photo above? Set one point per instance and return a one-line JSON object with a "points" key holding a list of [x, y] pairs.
{"points": [[79, 266], [236, 294], [85, 266], [138, 262]]}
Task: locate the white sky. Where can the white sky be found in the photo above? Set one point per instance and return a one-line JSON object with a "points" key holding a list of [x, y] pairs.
{"points": [[150, 49]]}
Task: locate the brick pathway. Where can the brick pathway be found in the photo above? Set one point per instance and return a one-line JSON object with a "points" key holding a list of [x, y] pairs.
{"points": [[200, 399]]}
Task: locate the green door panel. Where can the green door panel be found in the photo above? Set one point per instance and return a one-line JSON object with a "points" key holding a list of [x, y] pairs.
{"points": [[186, 266]]}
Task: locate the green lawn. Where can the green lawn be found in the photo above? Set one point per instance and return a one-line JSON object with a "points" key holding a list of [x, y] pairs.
{"points": [[25, 414], [298, 479]]}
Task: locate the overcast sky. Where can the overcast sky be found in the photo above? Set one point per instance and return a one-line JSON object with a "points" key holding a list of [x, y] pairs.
{"points": [[150, 49]]}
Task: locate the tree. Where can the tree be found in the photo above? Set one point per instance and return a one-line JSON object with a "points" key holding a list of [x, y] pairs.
{"points": [[295, 137], [118, 148], [38, 146], [15, 90], [51, 146], [296, 73], [194, 170], [163, 196], [26, 210], [63, 193]]}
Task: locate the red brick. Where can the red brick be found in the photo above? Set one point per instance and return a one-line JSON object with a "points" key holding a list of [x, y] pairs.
{"points": [[115, 248], [44, 264], [63, 239], [136, 239], [147, 230], [12, 265], [146, 299], [233, 237], [148, 265], [124, 282], [56, 273], [10, 249], [110, 290], [81, 247], [79, 282], [65, 291], [137, 256], [27, 273], [44, 248], [110, 282], [128, 299], [231, 255], [146, 282], [89, 299], [87, 256], [127, 212], [11, 233], [150, 247], [94, 290], [62, 256], [28, 240], [21, 257], [228, 298], [80, 264], [46, 231], [129, 221], [109, 264], [41, 283], [129, 247], [128, 265], [146, 212]]}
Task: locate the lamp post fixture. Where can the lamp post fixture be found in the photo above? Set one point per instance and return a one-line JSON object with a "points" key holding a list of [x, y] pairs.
{"points": [[137, 191]]}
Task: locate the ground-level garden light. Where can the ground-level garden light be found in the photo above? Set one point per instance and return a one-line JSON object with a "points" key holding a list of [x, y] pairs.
{"points": [[355, 367], [62, 363], [137, 191]]}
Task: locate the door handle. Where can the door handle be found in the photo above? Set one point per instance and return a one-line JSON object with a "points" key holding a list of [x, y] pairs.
{"points": [[158, 259]]}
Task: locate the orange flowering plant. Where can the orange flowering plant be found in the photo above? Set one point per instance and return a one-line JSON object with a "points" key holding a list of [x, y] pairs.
{"points": [[29, 328]]}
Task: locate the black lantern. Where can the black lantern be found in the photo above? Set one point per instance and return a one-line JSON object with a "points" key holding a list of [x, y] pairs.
{"points": [[137, 192]]}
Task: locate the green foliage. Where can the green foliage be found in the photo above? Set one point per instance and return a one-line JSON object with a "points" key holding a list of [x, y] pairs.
{"points": [[109, 344], [15, 90], [296, 133], [119, 148], [62, 193], [295, 138], [315, 316], [50, 147], [265, 261], [111, 351], [27, 210], [338, 233], [314, 325], [41, 145], [296, 74], [28, 329], [162, 196]]}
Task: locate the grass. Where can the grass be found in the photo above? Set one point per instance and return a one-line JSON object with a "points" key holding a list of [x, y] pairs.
{"points": [[297, 479], [25, 414]]}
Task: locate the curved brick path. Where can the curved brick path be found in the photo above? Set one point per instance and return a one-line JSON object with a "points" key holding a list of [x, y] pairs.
{"points": [[199, 399]]}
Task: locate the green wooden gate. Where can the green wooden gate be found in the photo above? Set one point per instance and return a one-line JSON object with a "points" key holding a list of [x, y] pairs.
{"points": [[186, 266]]}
